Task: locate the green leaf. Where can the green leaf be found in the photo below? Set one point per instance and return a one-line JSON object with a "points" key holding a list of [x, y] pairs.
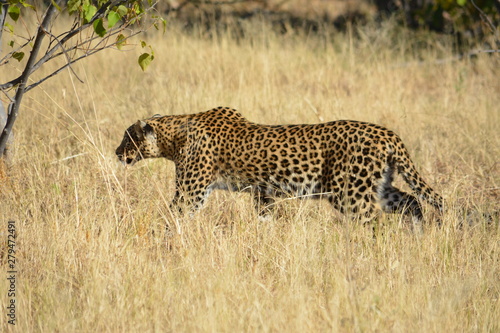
{"points": [[9, 26], [143, 44], [461, 2], [18, 55], [89, 12], [122, 10], [120, 41], [164, 22], [138, 8], [144, 60], [99, 28], [14, 12], [113, 17], [73, 5], [11, 43], [27, 5]]}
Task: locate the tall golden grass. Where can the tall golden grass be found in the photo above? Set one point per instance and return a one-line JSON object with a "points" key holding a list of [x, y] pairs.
{"points": [[92, 253]]}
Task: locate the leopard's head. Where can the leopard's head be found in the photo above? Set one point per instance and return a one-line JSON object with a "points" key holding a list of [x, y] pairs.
{"points": [[139, 142]]}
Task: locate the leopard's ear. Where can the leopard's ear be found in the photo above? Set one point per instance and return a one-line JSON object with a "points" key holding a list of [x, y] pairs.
{"points": [[144, 130]]}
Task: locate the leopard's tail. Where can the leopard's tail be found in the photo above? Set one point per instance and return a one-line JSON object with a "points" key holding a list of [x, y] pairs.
{"points": [[408, 171]]}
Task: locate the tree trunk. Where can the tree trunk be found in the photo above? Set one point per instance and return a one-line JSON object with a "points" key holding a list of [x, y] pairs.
{"points": [[13, 108], [9, 148], [8, 152]]}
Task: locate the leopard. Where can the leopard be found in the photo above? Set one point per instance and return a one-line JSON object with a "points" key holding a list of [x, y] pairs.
{"points": [[352, 164]]}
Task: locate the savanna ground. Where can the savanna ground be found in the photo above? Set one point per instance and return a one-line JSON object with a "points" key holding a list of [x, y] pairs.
{"points": [[91, 249]]}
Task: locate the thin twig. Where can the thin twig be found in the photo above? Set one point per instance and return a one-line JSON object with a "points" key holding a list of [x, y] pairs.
{"points": [[486, 18], [7, 95], [31, 86], [68, 58], [71, 34], [8, 56]]}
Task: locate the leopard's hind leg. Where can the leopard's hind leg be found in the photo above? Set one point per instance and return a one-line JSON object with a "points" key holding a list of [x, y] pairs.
{"points": [[393, 200]]}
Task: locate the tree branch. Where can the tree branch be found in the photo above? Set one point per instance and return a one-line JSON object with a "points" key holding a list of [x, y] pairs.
{"points": [[65, 51], [68, 58], [72, 61], [3, 15], [57, 47], [86, 54], [8, 56], [100, 13], [485, 18], [13, 108]]}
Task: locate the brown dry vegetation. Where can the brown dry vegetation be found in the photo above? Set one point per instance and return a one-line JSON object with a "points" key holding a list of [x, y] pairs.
{"points": [[89, 262]]}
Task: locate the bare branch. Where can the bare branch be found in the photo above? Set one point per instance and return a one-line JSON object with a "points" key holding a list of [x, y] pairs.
{"points": [[485, 18], [72, 61], [7, 95], [10, 84], [68, 58], [85, 44]]}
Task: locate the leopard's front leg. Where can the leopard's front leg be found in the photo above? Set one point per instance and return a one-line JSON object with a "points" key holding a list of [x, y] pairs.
{"points": [[192, 188]]}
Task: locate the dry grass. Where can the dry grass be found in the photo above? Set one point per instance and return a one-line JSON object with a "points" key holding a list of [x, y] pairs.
{"points": [[87, 259]]}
